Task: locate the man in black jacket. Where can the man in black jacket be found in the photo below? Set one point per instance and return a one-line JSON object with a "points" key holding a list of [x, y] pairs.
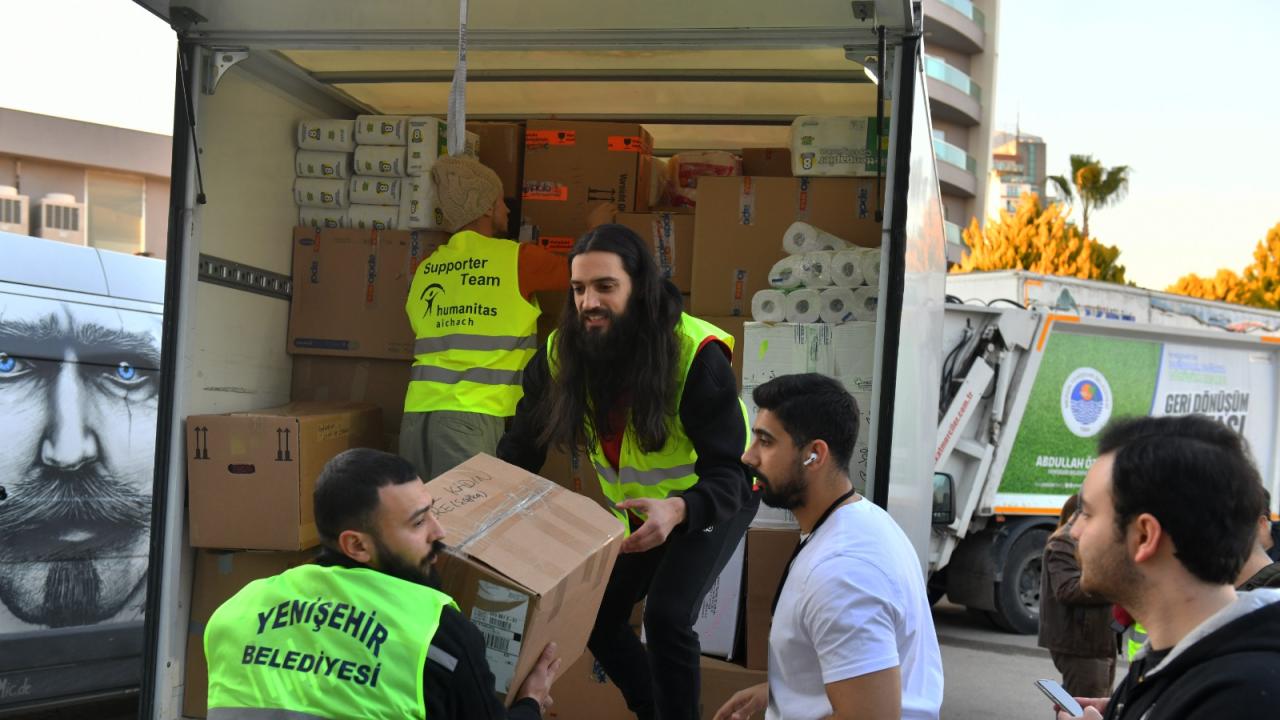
{"points": [[650, 393], [1167, 518]]}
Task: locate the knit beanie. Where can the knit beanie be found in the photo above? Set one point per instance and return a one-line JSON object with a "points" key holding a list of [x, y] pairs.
{"points": [[465, 189]]}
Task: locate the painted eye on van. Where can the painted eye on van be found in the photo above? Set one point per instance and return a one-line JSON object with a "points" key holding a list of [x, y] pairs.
{"points": [[11, 367], [7, 364], [124, 373]]}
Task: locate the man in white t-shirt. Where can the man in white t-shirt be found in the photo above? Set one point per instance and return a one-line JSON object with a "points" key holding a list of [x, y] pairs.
{"points": [[852, 634]]}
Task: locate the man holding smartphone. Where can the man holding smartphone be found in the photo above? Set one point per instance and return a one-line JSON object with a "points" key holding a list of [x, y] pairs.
{"points": [[1167, 517]]}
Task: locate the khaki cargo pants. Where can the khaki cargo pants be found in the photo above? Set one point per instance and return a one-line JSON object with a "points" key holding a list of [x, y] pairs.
{"points": [[439, 441]]}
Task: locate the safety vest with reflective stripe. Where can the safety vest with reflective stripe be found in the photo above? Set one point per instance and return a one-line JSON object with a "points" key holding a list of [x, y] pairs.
{"points": [[475, 331], [1137, 637], [322, 642], [670, 471]]}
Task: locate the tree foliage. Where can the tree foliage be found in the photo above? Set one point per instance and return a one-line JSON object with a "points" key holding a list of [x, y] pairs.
{"points": [[1257, 285], [1096, 186], [1041, 240]]}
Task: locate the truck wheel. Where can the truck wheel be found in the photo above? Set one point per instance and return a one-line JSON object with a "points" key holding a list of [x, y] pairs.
{"points": [[1017, 598]]}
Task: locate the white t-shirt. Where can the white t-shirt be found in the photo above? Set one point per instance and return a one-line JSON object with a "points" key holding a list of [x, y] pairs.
{"points": [[854, 603]]}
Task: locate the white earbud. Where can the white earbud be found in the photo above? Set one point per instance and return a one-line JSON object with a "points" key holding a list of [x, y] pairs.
{"points": [[813, 457]]}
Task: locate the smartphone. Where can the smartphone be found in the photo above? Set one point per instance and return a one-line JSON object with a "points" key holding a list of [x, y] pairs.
{"points": [[1060, 696]]}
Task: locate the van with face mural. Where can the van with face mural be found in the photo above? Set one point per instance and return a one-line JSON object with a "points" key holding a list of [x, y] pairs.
{"points": [[79, 378]]}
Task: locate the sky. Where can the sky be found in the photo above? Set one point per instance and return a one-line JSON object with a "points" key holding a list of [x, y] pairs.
{"points": [[1181, 92]]}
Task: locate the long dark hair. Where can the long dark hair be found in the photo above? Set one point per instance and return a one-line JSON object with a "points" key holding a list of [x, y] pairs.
{"points": [[583, 395]]}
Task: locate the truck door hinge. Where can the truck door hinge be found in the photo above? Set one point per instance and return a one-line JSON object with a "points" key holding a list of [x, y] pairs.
{"points": [[218, 62]]}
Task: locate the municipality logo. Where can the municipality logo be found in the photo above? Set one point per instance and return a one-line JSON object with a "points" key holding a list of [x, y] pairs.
{"points": [[1086, 402]]}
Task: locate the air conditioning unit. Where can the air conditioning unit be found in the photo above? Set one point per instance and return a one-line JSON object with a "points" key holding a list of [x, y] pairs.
{"points": [[61, 218], [13, 210]]}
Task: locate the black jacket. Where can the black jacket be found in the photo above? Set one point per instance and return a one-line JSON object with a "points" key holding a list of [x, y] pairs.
{"points": [[465, 691], [709, 413], [1227, 668], [1267, 577]]}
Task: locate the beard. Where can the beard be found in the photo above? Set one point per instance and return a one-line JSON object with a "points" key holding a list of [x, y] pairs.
{"points": [[421, 572], [1110, 573], [69, 539], [610, 359], [788, 495]]}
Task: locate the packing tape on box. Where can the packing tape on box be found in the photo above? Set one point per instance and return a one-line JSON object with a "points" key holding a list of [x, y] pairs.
{"points": [[801, 237], [785, 273], [381, 129], [815, 268], [374, 190], [510, 506], [327, 134], [380, 160], [769, 306], [746, 202], [837, 305], [846, 269], [803, 306], [866, 302], [322, 164], [324, 218], [321, 193]]}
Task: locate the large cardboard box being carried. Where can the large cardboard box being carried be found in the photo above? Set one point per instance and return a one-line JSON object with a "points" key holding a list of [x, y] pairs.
{"points": [[767, 554], [349, 291], [571, 166], [218, 576], [528, 562], [671, 237], [340, 379], [250, 475], [741, 221]]}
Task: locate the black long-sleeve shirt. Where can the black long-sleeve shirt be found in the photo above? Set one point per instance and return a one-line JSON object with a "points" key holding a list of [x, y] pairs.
{"points": [[464, 691], [711, 417]]}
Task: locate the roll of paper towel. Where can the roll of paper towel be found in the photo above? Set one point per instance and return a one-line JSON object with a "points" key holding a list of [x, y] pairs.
{"points": [[815, 269], [375, 190], [381, 129], [869, 262], [865, 302], [315, 192], [322, 164], [323, 218], [373, 217], [785, 273], [837, 305], [802, 237], [380, 160], [804, 306], [324, 134], [846, 268], [769, 306]]}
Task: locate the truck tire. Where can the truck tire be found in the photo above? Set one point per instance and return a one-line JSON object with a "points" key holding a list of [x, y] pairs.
{"points": [[1017, 596]]}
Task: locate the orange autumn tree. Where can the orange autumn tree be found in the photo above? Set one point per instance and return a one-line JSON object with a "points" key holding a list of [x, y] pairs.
{"points": [[1257, 285], [1041, 240]]}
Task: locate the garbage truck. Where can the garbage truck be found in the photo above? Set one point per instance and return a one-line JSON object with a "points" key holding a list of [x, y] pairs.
{"points": [[1034, 367], [706, 75]]}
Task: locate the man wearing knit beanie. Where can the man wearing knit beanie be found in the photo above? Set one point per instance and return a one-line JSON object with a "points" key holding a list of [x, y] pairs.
{"points": [[474, 315]]}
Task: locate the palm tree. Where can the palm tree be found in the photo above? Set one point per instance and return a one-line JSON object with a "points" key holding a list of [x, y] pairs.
{"points": [[1097, 187]]}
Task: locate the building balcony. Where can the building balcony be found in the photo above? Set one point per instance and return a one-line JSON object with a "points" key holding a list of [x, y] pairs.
{"points": [[953, 96], [957, 170], [955, 24]]}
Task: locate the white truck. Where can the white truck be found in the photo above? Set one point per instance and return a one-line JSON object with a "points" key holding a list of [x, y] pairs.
{"points": [[1035, 366], [712, 74]]}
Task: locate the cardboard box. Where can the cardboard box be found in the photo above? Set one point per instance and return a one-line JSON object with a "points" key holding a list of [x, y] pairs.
{"points": [[721, 680], [528, 562], [671, 237], [574, 471], [250, 475], [502, 150], [741, 221], [340, 379], [349, 291], [732, 324], [570, 166], [767, 554], [766, 162], [583, 692], [218, 576]]}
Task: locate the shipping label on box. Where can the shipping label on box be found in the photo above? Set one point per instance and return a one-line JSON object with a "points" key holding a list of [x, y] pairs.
{"points": [[717, 620], [250, 476], [516, 565]]}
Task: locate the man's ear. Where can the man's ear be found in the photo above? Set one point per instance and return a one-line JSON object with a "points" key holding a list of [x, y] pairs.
{"points": [[1144, 537], [358, 546]]}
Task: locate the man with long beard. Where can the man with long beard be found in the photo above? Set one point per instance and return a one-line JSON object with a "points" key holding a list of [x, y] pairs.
{"points": [[852, 634], [649, 391], [1168, 514], [364, 632], [78, 384]]}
